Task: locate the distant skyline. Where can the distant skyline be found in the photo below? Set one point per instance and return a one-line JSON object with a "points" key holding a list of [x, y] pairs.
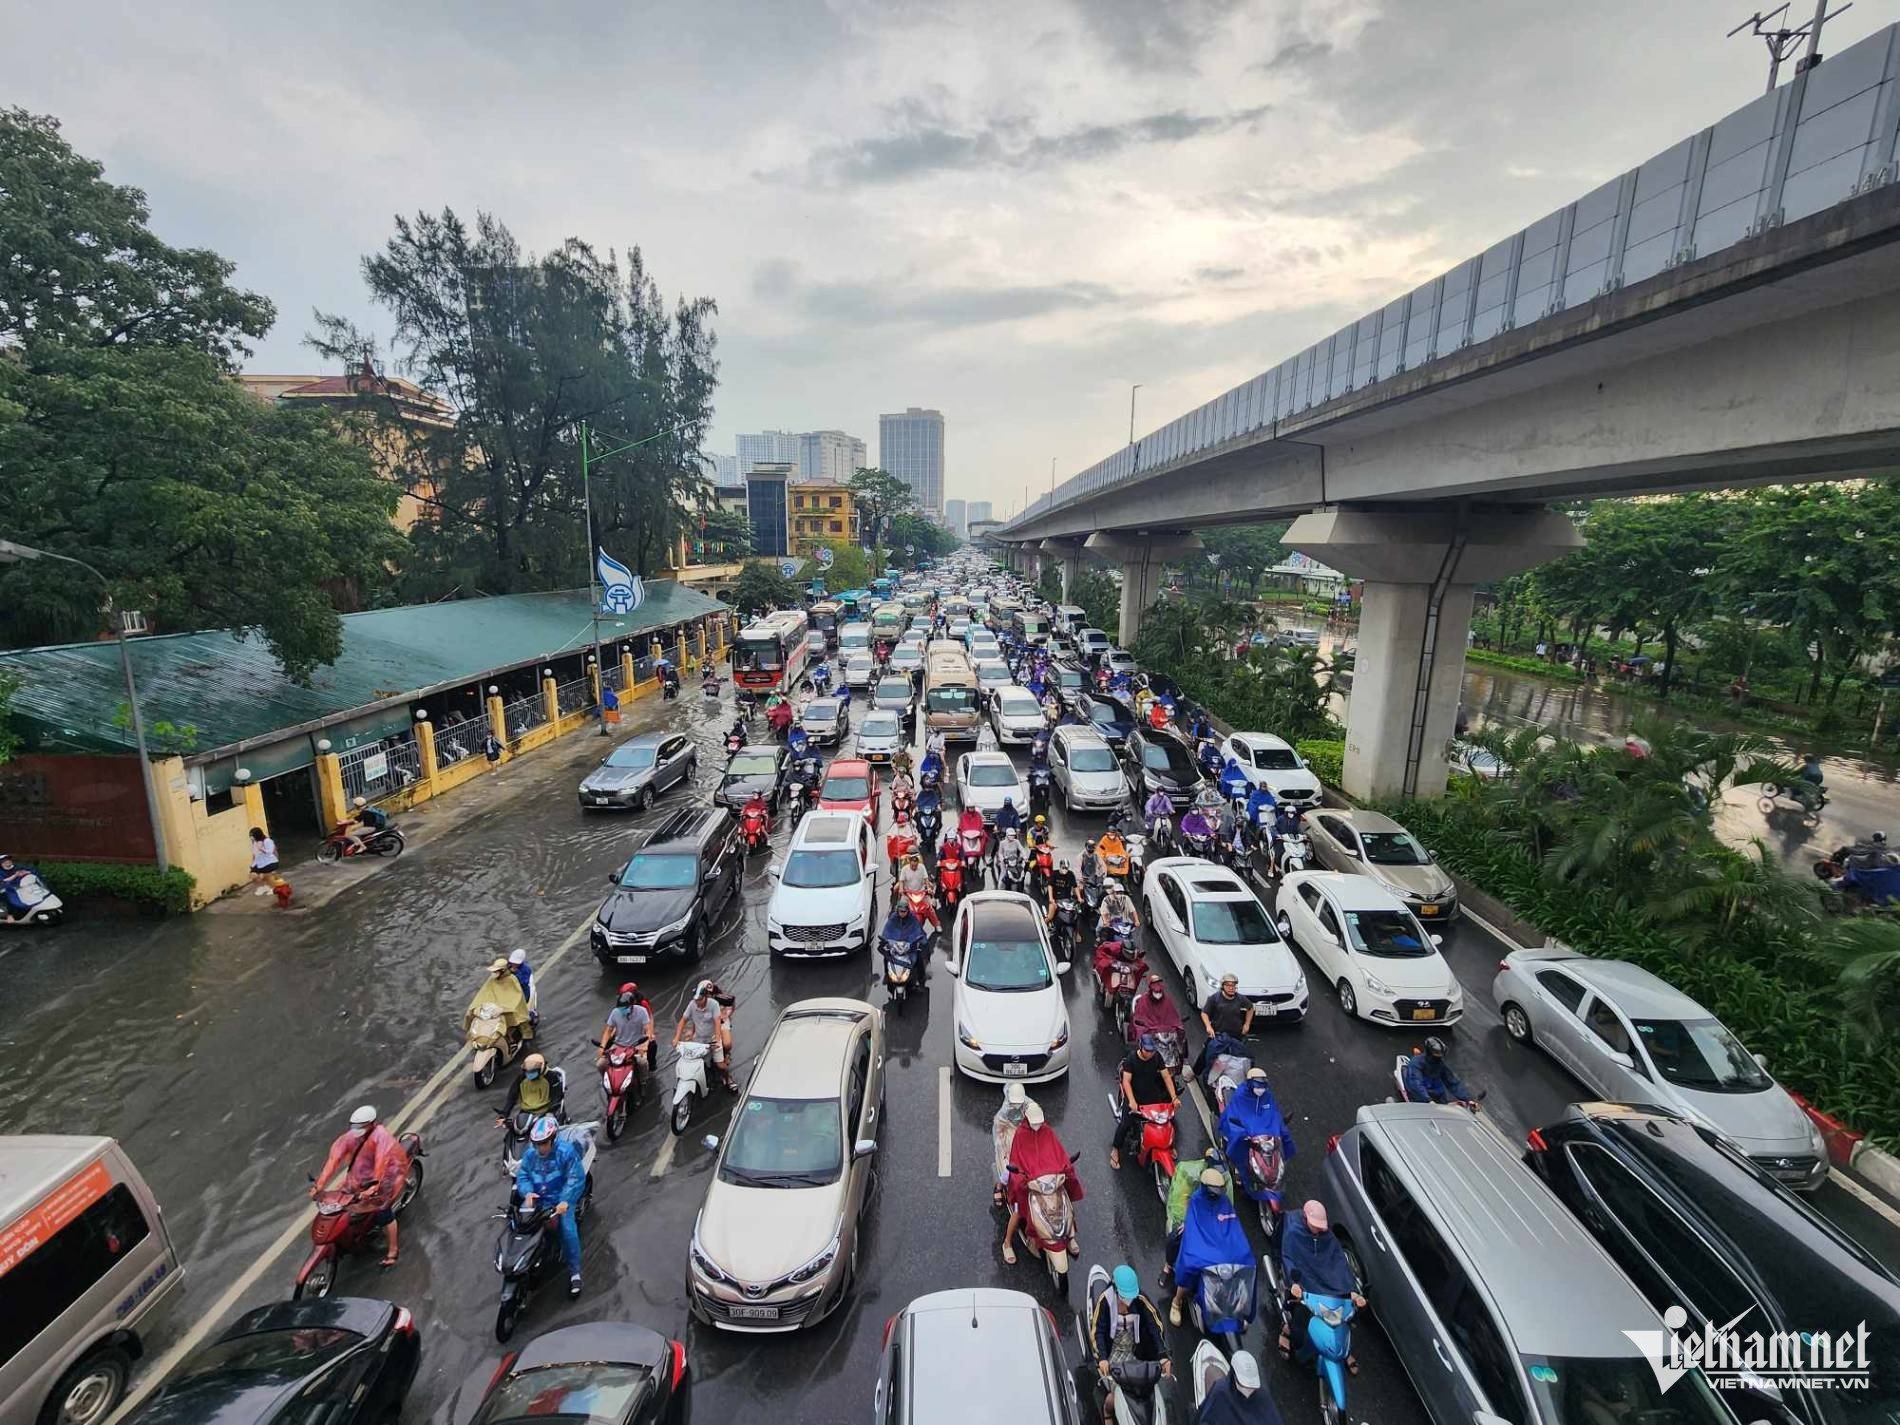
{"points": [[1011, 212]]}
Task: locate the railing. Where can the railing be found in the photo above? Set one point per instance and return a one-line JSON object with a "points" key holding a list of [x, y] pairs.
{"points": [[643, 668], [380, 769], [461, 742], [524, 714], [614, 676], [572, 696], [1821, 139]]}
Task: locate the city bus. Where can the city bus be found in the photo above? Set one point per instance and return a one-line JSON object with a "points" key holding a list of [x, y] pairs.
{"points": [[882, 586], [890, 620], [825, 619], [851, 605], [769, 656], [952, 697]]}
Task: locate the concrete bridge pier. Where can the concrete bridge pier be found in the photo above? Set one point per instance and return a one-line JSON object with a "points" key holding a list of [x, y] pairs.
{"points": [[1420, 568], [1068, 556], [1143, 554]]}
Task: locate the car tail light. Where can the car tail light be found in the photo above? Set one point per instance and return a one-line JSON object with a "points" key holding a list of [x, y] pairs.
{"points": [[405, 1323], [679, 1362], [1503, 965], [889, 1322], [501, 1370], [1050, 1317], [1535, 1138], [1332, 1144]]}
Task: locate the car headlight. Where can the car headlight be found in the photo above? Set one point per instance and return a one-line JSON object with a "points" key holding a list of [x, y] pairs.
{"points": [[1060, 1039], [966, 1037], [1457, 993], [817, 1264], [1377, 985], [677, 927], [1817, 1139], [705, 1264], [1299, 983]]}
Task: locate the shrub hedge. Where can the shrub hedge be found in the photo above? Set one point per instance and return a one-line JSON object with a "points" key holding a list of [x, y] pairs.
{"points": [[145, 887], [1325, 756]]}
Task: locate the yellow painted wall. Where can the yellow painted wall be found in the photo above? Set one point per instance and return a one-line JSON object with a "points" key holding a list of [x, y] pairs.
{"points": [[215, 847]]}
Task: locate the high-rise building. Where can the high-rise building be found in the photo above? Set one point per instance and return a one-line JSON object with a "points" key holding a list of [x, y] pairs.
{"points": [[955, 519], [770, 447], [829, 457], [725, 469], [910, 446], [766, 506], [977, 510]]}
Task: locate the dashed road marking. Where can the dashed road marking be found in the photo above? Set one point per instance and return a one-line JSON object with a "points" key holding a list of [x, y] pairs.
{"points": [[665, 1160], [943, 1121], [1861, 1194]]}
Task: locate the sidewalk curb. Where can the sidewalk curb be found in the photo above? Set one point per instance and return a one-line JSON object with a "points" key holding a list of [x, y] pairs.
{"points": [[1881, 1169]]}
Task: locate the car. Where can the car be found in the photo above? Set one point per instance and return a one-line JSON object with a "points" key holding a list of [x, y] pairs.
{"points": [[880, 736], [759, 768], [775, 1245], [1368, 946], [1272, 763], [974, 1353], [1499, 1306], [1112, 717], [1120, 660], [993, 675], [665, 897], [1009, 1013], [850, 784], [957, 628], [908, 659], [985, 780], [825, 900], [1092, 641], [1372, 844], [1016, 715], [1160, 761], [638, 770], [1696, 1224], [345, 1360], [1071, 682], [1632, 1037], [895, 692], [596, 1373], [824, 721], [1212, 925], [1085, 770], [859, 670], [983, 646]]}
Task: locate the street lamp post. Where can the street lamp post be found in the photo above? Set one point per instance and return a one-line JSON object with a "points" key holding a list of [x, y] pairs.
{"points": [[11, 553], [1131, 409]]}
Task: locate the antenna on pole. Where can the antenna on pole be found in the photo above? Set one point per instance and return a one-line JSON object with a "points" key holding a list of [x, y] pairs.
{"points": [[1782, 42]]}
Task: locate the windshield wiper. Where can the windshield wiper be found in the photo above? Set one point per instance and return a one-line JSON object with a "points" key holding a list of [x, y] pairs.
{"points": [[777, 1179]]}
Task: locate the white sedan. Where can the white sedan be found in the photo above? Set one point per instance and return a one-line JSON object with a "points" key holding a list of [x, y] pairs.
{"points": [[1212, 925], [985, 780], [859, 670], [1009, 1014], [1365, 943], [1016, 715]]}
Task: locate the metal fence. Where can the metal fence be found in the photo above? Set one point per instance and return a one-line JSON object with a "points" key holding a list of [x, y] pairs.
{"points": [[573, 695], [1830, 134], [524, 714], [380, 769], [614, 676], [461, 742], [643, 668]]}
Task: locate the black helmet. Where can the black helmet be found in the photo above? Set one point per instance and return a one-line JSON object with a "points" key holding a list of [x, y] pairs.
{"points": [[1434, 1048]]}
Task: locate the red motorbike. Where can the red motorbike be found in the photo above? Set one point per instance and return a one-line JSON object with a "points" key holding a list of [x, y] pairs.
{"points": [[950, 878], [383, 841], [1157, 1141], [903, 803], [755, 826], [1120, 968], [340, 1227], [921, 907], [972, 844], [622, 1086]]}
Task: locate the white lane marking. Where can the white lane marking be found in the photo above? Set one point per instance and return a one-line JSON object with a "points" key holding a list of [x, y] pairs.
{"points": [[1200, 1107], [665, 1160], [1878, 1204], [943, 1121], [1491, 930], [417, 1111]]}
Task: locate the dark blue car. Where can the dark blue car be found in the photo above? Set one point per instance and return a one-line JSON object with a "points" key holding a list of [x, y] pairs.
{"points": [[1111, 717]]}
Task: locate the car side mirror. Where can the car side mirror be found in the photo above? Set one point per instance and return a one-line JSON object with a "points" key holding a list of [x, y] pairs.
{"points": [[864, 1148], [1438, 940], [613, 877], [773, 870], [1762, 1061], [710, 1142], [951, 969], [1617, 1057], [1286, 925], [1485, 1417], [1063, 967]]}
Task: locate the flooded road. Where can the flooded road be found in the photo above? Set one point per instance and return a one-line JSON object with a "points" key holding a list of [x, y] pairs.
{"points": [[226, 1051]]}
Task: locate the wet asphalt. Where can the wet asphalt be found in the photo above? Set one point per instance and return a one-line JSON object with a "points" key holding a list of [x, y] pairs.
{"points": [[225, 1051]]}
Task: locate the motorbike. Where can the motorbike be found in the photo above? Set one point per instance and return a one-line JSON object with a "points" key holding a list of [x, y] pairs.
{"points": [[338, 1229], [929, 818], [529, 1247], [734, 741], [622, 1086], [1328, 1329], [1398, 1083], [1261, 1169], [1161, 836], [669, 686], [1041, 781], [1012, 874], [1170, 1044], [1068, 917], [1133, 1392], [972, 846], [797, 799], [1042, 863], [27, 901], [903, 802], [690, 1080], [1227, 1065], [1293, 853], [1157, 1139], [949, 881], [514, 1131], [755, 829], [1049, 1227], [1806, 795], [1092, 892], [1200, 838], [1223, 1303], [903, 965], [385, 841], [494, 1047], [1119, 979]]}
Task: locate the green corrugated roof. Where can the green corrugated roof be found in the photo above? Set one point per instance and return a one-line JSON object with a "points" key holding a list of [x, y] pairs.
{"points": [[230, 689]]}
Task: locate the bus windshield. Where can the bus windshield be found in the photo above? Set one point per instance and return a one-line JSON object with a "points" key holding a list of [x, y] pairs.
{"points": [[757, 654]]}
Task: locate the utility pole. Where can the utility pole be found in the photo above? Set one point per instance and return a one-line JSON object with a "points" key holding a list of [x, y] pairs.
{"points": [[1131, 409], [1782, 42]]}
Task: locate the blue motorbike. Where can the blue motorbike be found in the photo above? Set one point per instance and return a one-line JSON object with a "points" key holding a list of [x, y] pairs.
{"points": [[1329, 1329]]}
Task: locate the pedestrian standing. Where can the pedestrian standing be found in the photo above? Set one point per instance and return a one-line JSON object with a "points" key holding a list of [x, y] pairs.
{"points": [[492, 749]]}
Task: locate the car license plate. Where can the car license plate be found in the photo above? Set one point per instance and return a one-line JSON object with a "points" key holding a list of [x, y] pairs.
{"points": [[1014, 1068], [630, 959], [1431, 909], [600, 801], [1426, 1013], [754, 1313]]}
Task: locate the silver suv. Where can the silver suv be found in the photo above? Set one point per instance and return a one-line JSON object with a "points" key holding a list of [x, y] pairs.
{"points": [[1499, 1304], [973, 1354]]}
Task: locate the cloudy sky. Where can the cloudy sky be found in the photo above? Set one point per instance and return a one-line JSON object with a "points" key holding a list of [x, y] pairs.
{"points": [[1007, 209]]}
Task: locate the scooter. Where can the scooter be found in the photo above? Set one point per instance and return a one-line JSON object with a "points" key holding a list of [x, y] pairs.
{"points": [[1049, 1227], [29, 902], [669, 686], [1157, 1139], [903, 965], [494, 1047], [755, 828], [1068, 917], [1403, 1096], [1296, 853], [386, 841], [1262, 1172], [1132, 1391], [1041, 781], [973, 846], [338, 1229], [689, 1080], [949, 881], [514, 1131], [1207, 1369], [529, 1248], [929, 818], [902, 803], [1120, 977], [1170, 1044], [797, 798], [622, 1086], [1227, 1065], [1224, 1304]]}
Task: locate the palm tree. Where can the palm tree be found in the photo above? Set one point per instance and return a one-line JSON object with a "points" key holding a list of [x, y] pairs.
{"points": [[1721, 895], [1868, 950]]}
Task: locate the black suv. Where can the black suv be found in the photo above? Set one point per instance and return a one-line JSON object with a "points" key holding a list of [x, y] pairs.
{"points": [[666, 895], [760, 767], [1161, 762], [1694, 1223]]}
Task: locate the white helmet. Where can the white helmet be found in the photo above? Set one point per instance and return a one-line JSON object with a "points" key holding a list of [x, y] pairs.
{"points": [[363, 1116], [362, 801], [517, 957]]}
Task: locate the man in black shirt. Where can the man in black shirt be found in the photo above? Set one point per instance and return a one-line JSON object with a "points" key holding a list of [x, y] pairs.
{"points": [[1145, 1079], [1226, 1012]]}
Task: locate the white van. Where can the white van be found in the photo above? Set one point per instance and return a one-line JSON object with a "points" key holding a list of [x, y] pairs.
{"points": [[1070, 618], [84, 1259], [854, 638]]}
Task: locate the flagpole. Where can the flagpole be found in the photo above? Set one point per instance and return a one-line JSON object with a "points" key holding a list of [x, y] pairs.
{"points": [[593, 577]]}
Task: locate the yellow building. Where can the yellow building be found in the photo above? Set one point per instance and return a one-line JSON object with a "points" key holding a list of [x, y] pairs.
{"points": [[821, 514]]}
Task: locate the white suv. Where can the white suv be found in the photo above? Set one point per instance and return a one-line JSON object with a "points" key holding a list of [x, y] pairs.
{"points": [[1272, 763], [824, 902]]}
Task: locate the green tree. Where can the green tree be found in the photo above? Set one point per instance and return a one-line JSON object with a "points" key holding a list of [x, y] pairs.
{"points": [[726, 534], [1049, 582], [850, 568], [1099, 598], [1652, 561], [878, 495], [1244, 553], [526, 348], [760, 586], [909, 532]]}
